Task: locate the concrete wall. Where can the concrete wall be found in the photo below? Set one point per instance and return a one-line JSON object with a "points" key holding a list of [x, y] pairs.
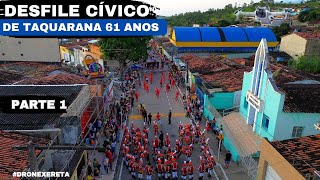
{"points": [[269, 155], [60, 158], [222, 100], [313, 47], [71, 129], [29, 49], [294, 45]]}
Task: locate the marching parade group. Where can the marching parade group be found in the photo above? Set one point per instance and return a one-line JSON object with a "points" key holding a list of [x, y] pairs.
{"points": [[136, 147]]}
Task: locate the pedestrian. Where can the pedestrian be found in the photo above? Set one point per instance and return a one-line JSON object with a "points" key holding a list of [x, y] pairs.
{"points": [[150, 119], [105, 164], [137, 94], [201, 170], [190, 170], [161, 139], [184, 171], [145, 116], [227, 159], [174, 169], [177, 95], [151, 77], [158, 117], [132, 101], [149, 171], [169, 117]]}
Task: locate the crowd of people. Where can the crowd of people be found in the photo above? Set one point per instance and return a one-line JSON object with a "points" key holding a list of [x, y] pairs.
{"points": [[137, 145], [117, 114]]}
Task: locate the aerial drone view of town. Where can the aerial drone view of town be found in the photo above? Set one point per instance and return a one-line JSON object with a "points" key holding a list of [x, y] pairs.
{"points": [[231, 91]]}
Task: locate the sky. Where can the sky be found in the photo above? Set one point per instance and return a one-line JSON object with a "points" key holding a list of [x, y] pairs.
{"points": [[171, 7]]}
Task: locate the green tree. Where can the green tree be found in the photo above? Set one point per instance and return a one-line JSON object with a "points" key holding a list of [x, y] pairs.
{"points": [[306, 63], [125, 50], [223, 23], [281, 30]]}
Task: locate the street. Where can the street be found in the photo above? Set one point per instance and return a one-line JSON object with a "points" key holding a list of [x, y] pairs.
{"points": [[163, 104]]}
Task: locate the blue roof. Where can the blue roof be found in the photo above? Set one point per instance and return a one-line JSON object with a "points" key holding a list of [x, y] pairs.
{"points": [[187, 34], [227, 34], [234, 34], [210, 34], [256, 34]]}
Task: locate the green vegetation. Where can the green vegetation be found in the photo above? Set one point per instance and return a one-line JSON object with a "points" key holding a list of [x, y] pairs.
{"points": [[310, 15], [283, 29], [213, 16], [306, 63], [125, 50]]}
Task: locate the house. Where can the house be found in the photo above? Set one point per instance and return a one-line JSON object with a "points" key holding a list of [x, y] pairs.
{"points": [[29, 49], [215, 79], [301, 44], [278, 106], [290, 159], [49, 160], [65, 126]]}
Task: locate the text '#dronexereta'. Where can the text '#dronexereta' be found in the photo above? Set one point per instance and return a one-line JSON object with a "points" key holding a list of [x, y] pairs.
{"points": [[100, 10]]}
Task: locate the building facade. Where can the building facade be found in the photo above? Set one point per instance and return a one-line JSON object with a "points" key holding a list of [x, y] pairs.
{"points": [[301, 44], [29, 49]]}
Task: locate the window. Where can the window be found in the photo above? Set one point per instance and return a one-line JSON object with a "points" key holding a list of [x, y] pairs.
{"points": [[297, 131], [265, 122], [3, 54]]}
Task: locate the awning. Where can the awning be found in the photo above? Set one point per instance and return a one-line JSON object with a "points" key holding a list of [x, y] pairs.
{"points": [[241, 134]]}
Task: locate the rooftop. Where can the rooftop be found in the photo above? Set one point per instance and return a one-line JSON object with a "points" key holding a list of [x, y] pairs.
{"points": [[35, 121], [309, 35], [18, 71], [230, 80], [14, 160], [303, 153], [61, 78], [221, 71], [204, 65]]}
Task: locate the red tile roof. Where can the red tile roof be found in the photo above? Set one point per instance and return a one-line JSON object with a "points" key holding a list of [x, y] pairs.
{"points": [[63, 78], [303, 153], [309, 35], [205, 65], [230, 80], [14, 160]]}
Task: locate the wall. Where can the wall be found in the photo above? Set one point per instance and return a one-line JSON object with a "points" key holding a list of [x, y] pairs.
{"points": [[237, 98], [29, 49], [70, 130], [222, 100], [294, 45], [287, 121], [313, 47], [269, 155]]}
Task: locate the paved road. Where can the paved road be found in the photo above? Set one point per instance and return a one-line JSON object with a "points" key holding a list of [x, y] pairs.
{"points": [[162, 105]]}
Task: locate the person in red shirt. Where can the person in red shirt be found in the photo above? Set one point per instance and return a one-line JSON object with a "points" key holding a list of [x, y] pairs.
{"points": [[109, 156], [149, 171], [157, 92], [158, 117], [137, 94], [184, 171], [174, 169], [160, 169], [167, 169], [147, 88], [156, 128], [177, 95], [201, 170], [166, 142], [190, 170], [151, 77], [167, 88]]}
